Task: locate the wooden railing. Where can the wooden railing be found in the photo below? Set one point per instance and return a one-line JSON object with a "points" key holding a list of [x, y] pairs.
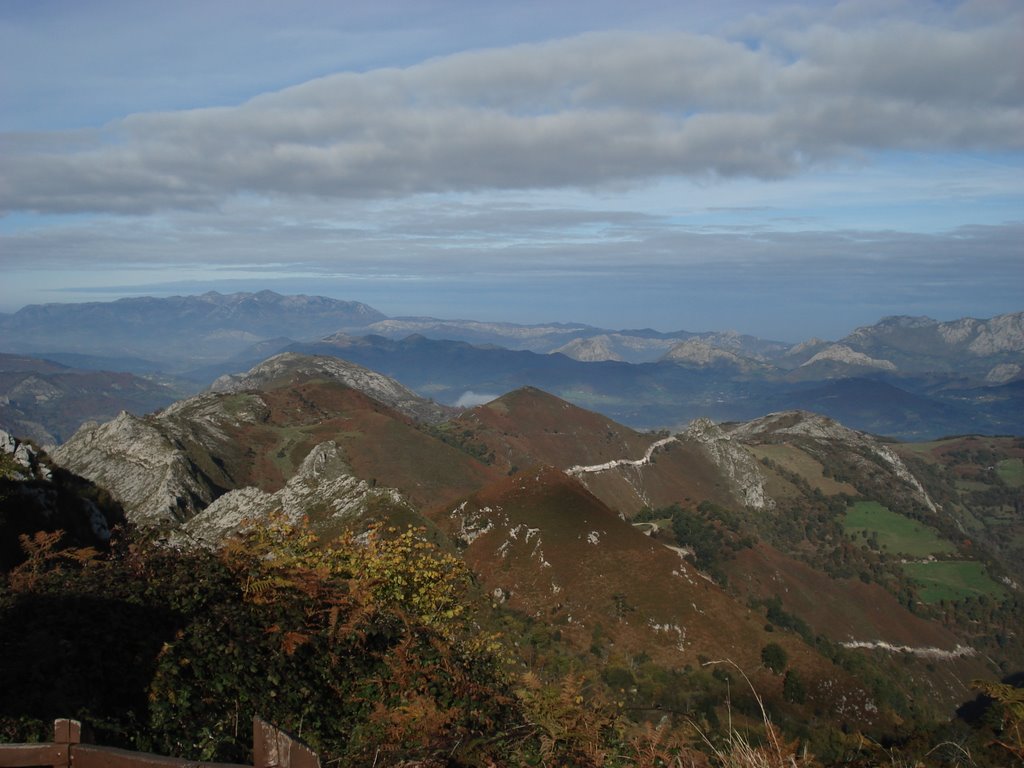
{"points": [[272, 748]]}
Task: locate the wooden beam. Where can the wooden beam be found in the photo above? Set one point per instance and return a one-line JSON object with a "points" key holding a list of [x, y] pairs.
{"points": [[20, 755], [88, 756]]}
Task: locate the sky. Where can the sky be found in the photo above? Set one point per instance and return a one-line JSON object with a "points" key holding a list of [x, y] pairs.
{"points": [[787, 170]]}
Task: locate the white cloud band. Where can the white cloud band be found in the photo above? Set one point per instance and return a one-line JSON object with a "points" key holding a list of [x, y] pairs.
{"points": [[597, 109]]}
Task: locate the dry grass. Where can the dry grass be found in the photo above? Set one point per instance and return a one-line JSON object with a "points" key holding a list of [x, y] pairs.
{"points": [[737, 751]]}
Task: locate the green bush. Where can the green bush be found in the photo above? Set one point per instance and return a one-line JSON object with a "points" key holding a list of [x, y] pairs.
{"points": [[361, 647], [793, 688], [774, 657]]}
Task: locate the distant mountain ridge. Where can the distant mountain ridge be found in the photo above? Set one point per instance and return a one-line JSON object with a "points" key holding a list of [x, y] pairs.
{"points": [[217, 324], [920, 344], [906, 377], [179, 328], [46, 401]]}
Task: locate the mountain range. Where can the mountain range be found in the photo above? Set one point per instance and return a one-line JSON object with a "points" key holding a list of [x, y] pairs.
{"points": [[709, 542], [904, 377]]}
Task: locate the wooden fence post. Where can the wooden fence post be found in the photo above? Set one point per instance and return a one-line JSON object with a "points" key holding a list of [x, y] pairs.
{"points": [[273, 748], [65, 733]]}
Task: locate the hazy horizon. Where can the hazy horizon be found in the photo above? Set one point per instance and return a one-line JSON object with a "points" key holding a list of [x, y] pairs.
{"points": [[785, 171], [228, 289]]}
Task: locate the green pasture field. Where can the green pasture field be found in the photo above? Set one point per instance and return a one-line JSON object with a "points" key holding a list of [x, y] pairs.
{"points": [[1012, 472], [952, 580], [897, 534]]}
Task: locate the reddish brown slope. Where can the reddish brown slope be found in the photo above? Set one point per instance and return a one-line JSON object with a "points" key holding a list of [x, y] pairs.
{"points": [[554, 551], [840, 609], [528, 427], [680, 472], [281, 425]]}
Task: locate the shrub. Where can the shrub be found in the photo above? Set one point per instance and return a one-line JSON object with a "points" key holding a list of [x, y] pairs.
{"points": [[361, 647], [793, 688], [774, 657]]}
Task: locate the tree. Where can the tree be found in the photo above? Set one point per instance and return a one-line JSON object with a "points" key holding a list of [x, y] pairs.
{"points": [[793, 688], [774, 657]]}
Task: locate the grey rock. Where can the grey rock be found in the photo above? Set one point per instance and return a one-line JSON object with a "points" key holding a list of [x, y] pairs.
{"points": [[323, 489], [140, 466], [737, 464]]}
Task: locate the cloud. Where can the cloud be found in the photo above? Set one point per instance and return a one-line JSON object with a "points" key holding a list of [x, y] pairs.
{"points": [[429, 239], [593, 110], [471, 399]]}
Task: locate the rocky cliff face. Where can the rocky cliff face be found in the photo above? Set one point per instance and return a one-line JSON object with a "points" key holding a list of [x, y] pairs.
{"points": [[735, 463], [36, 496], [323, 489], [1004, 333], [22, 461], [142, 466]]}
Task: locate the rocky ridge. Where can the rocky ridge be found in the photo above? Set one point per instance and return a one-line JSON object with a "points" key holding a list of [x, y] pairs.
{"points": [[841, 353], [375, 385], [25, 460], [702, 354], [149, 473], [590, 350], [739, 467], [264, 439], [323, 489], [827, 431], [912, 342]]}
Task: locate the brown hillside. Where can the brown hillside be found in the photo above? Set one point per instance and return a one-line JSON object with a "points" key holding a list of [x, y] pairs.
{"points": [[845, 610], [551, 549], [270, 432], [792, 459], [680, 472], [529, 426], [840, 609]]}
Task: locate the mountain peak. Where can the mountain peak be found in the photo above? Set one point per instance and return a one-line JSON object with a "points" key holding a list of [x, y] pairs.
{"points": [[701, 354], [796, 422], [591, 349], [285, 367], [841, 353]]}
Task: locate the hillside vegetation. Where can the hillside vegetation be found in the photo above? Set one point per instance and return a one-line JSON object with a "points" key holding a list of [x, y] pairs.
{"points": [[572, 591]]}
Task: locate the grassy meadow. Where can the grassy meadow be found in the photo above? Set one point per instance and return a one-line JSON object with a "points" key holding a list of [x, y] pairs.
{"points": [[952, 580], [1011, 472], [897, 534]]}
